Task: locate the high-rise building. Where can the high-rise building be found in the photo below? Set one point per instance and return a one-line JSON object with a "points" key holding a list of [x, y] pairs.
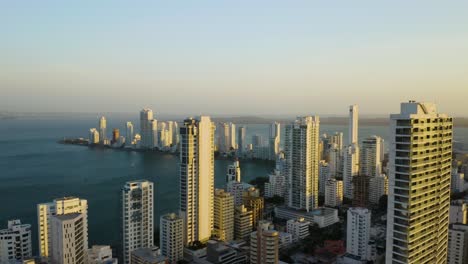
{"points": [[361, 191], [242, 222], [241, 143], [275, 137], [102, 129], [115, 135], [378, 186], [458, 244], [15, 242], [324, 175], [101, 254], [197, 178], [129, 135], [69, 236], [335, 161], [298, 228], [333, 193], [337, 139], [458, 212], [419, 185], [148, 129], [458, 181], [93, 136], [351, 153], [276, 185], [223, 215], [224, 142], [371, 160], [302, 163], [69, 206], [234, 172], [358, 232], [254, 202], [137, 217], [264, 244], [171, 239], [232, 136]]}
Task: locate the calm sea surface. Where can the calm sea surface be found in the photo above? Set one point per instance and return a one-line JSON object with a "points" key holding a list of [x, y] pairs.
{"points": [[35, 169]]}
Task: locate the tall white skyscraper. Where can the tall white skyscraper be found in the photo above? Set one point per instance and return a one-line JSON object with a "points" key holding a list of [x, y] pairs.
{"points": [[93, 136], [15, 242], [419, 184], [102, 129], [337, 139], [371, 159], [129, 135], [137, 217], [223, 215], [148, 129], [74, 211], [232, 136], [171, 239], [302, 163], [351, 153], [358, 231], [275, 137], [324, 175], [335, 160], [197, 178], [241, 143]]}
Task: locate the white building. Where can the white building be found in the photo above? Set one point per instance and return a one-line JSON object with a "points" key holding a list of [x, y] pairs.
{"points": [[324, 175], [129, 134], [458, 181], [419, 184], [234, 172], [171, 239], [100, 254], [93, 137], [232, 136], [458, 244], [223, 215], [264, 244], [337, 139], [148, 129], [302, 163], [276, 185], [351, 153], [137, 216], [333, 193], [69, 237], [371, 156], [378, 186], [275, 138], [284, 239], [458, 212], [358, 231], [322, 216], [197, 178], [15, 242], [224, 141], [298, 228], [62, 206], [102, 129]]}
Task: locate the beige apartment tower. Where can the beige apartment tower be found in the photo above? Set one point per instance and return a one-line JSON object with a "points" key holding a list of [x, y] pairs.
{"points": [[419, 185]]}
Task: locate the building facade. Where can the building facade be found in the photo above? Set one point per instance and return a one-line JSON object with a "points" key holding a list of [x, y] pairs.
{"points": [[358, 232], [264, 244], [15, 242], [333, 193], [171, 239], [137, 217], [419, 185], [197, 178], [223, 215]]}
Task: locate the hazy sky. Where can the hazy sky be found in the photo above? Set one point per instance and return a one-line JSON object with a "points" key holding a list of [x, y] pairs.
{"points": [[233, 57]]}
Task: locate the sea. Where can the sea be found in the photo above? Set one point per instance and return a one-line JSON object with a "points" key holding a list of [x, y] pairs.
{"points": [[34, 169]]}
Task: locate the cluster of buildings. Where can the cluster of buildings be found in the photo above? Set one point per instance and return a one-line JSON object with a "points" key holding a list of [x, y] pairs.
{"points": [[163, 136], [231, 225]]}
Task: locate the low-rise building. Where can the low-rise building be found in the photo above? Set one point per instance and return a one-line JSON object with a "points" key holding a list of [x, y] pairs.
{"points": [[323, 216], [100, 254], [15, 242], [298, 228], [147, 256]]}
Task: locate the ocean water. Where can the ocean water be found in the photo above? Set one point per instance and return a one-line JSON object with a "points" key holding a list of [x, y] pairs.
{"points": [[35, 169]]}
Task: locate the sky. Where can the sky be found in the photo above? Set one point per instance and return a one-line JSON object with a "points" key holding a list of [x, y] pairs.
{"points": [[241, 57]]}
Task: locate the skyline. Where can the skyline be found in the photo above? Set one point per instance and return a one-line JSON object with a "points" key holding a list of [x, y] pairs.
{"points": [[262, 58]]}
